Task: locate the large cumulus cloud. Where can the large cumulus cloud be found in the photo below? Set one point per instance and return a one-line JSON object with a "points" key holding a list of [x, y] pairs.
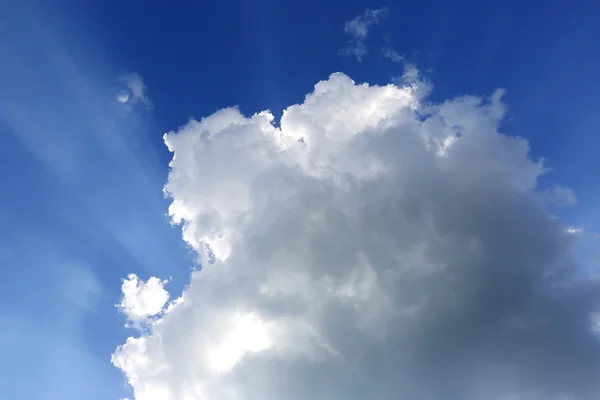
{"points": [[370, 245]]}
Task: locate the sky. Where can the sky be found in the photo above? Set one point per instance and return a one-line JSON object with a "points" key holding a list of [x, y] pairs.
{"points": [[315, 199]]}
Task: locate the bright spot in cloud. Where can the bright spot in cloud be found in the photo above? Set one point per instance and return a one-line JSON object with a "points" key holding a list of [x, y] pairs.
{"points": [[123, 97], [245, 334], [574, 231], [373, 244]]}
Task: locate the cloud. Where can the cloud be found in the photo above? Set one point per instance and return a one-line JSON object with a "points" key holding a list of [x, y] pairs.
{"points": [[135, 91], [574, 231], [373, 245], [392, 54], [142, 300], [560, 196], [358, 29], [123, 97]]}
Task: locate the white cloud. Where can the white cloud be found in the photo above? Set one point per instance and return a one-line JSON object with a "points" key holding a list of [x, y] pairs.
{"points": [[142, 300], [135, 91], [358, 29], [375, 245]]}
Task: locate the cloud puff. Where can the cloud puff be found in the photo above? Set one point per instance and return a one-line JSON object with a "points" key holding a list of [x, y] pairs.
{"points": [[135, 91], [358, 29], [142, 300], [374, 245]]}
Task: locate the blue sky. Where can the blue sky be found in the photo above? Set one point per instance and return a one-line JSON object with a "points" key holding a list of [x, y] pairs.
{"points": [[83, 206]]}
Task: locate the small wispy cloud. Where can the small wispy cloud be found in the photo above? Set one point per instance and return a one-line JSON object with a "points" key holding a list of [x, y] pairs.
{"points": [[560, 196], [358, 29], [134, 92], [392, 55]]}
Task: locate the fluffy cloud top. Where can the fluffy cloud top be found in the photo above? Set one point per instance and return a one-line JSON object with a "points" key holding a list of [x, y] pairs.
{"points": [[358, 29], [372, 245]]}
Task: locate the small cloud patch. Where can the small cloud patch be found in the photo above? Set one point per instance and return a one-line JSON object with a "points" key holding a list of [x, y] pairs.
{"points": [[134, 92], [358, 30]]}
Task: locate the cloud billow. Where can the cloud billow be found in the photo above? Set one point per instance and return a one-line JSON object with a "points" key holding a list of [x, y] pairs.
{"points": [[372, 245]]}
